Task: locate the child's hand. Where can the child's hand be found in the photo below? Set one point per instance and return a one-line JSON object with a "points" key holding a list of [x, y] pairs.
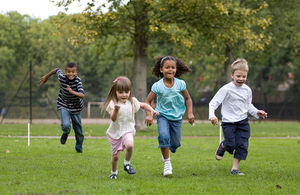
{"points": [[43, 80], [117, 106], [155, 112], [214, 120], [191, 118], [262, 114], [149, 120], [69, 89]]}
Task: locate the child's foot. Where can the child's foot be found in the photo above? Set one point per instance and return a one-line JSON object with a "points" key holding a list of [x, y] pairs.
{"points": [[236, 172], [220, 151], [113, 176], [128, 168], [63, 138], [167, 168]]}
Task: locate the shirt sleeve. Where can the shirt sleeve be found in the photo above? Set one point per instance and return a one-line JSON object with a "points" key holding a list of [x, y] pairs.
{"points": [[154, 88], [216, 101], [79, 86], [182, 85], [59, 74], [110, 106], [251, 108], [136, 105]]}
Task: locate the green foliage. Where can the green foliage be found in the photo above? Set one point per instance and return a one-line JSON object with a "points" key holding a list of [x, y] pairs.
{"points": [[263, 32]]}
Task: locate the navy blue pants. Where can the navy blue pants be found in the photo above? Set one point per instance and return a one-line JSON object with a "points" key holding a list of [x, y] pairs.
{"points": [[237, 138]]}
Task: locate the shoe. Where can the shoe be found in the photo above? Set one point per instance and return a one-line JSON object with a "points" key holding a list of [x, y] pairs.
{"points": [[113, 176], [128, 168], [167, 168], [220, 151], [79, 151], [63, 138], [236, 172]]}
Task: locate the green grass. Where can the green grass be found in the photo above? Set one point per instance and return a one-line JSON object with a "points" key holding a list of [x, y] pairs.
{"points": [[47, 167], [262, 129]]}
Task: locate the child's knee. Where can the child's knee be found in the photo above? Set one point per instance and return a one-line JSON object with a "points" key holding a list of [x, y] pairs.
{"points": [[65, 126], [115, 158], [129, 147]]}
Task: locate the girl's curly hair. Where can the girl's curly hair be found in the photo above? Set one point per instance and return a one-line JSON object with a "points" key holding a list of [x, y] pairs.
{"points": [[181, 67]]}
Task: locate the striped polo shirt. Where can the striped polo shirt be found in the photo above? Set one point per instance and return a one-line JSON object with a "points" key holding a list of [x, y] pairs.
{"points": [[65, 99]]}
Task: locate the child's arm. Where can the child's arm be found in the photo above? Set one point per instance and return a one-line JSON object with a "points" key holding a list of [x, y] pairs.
{"points": [[215, 103], [114, 112], [189, 106], [148, 108], [149, 118], [149, 111], [46, 76], [78, 94]]}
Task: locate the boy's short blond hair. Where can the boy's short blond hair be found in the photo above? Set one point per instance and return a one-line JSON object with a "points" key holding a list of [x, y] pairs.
{"points": [[239, 64]]}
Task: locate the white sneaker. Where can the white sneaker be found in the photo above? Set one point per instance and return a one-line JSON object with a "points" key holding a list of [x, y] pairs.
{"points": [[167, 168]]}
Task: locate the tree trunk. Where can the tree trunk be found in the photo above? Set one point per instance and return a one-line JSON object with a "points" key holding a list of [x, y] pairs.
{"points": [[140, 63], [230, 59]]}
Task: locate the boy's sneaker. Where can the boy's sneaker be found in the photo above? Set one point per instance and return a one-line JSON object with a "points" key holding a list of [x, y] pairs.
{"points": [[128, 168], [63, 138], [220, 151], [167, 168], [236, 172], [113, 176]]}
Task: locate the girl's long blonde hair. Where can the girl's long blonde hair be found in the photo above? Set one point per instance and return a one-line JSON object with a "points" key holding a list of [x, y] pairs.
{"points": [[119, 84]]}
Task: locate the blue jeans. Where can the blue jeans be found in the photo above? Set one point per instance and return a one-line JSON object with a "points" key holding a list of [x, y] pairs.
{"points": [[236, 138], [66, 117], [169, 133]]}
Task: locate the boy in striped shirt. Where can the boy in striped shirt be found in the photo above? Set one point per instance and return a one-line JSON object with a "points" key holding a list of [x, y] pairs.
{"points": [[69, 102]]}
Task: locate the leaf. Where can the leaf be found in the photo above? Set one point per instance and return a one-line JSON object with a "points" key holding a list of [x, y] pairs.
{"points": [[278, 186]]}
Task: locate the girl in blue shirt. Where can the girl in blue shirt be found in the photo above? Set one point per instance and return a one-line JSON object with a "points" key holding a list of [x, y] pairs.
{"points": [[172, 96]]}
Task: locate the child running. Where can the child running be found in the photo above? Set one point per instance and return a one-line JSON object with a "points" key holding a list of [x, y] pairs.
{"points": [[69, 102], [122, 107], [236, 100], [172, 95]]}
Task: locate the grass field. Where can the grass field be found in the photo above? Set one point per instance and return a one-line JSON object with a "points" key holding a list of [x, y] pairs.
{"points": [[47, 167]]}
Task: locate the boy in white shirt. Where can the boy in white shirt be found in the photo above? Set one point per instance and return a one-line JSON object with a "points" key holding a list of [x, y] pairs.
{"points": [[236, 100]]}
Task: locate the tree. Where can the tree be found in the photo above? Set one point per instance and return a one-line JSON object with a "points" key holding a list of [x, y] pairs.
{"points": [[222, 23]]}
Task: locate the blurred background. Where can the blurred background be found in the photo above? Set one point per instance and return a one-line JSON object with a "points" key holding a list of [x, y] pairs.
{"points": [[123, 37]]}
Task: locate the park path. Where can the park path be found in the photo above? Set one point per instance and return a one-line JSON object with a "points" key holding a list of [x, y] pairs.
{"points": [[145, 137], [83, 120]]}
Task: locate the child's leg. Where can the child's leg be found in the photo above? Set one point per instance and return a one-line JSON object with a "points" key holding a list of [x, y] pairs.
{"points": [[79, 133], [229, 132], [65, 120], [165, 153], [65, 124], [242, 139], [129, 150], [175, 135], [163, 128], [114, 161], [128, 144], [236, 163]]}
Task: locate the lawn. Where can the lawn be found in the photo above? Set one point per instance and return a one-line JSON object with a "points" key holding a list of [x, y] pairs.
{"points": [[263, 129], [47, 167]]}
